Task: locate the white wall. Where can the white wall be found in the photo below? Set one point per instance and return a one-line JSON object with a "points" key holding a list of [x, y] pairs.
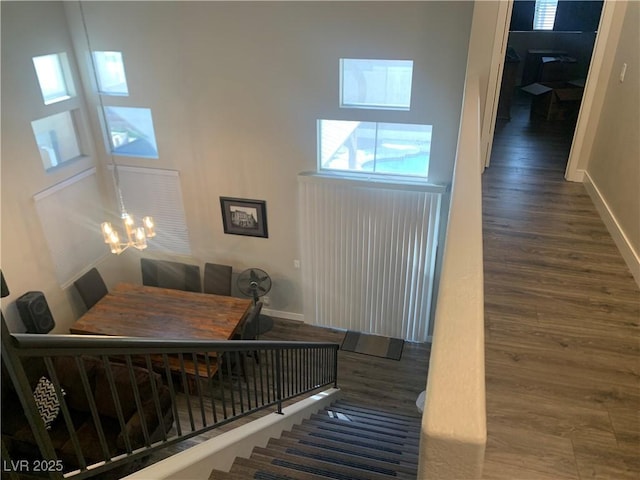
{"points": [[235, 89], [614, 162], [30, 29]]}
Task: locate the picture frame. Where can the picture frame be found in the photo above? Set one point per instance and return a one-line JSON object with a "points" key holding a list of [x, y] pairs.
{"points": [[242, 216]]}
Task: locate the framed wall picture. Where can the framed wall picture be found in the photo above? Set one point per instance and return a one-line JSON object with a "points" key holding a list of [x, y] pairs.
{"points": [[241, 216]]}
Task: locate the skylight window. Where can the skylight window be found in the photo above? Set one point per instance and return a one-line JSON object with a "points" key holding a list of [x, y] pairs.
{"points": [[398, 149], [544, 17], [379, 84], [130, 131], [54, 77], [110, 72], [57, 139]]}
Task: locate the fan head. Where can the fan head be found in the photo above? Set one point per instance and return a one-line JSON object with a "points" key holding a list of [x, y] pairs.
{"points": [[254, 282]]}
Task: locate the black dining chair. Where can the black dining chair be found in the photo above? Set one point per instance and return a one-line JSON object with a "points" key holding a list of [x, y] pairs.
{"points": [[217, 279], [248, 331], [91, 287], [174, 275]]}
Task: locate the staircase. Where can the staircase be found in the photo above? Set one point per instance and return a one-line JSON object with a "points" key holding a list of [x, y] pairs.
{"points": [[343, 441]]}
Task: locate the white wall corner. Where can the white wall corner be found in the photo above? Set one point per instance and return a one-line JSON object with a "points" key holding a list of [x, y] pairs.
{"points": [[575, 175], [631, 257]]}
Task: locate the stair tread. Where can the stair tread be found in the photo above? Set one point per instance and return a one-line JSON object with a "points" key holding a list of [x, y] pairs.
{"points": [[381, 412], [357, 439], [371, 417], [220, 475], [366, 427], [249, 467], [319, 466], [395, 439], [403, 457], [343, 454]]}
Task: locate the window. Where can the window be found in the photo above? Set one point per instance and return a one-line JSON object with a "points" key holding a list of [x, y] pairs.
{"points": [[544, 16], [57, 138], [54, 77], [110, 73], [69, 213], [130, 131], [382, 84], [374, 147]]}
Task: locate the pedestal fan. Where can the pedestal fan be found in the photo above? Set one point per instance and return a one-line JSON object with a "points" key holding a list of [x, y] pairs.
{"points": [[255, 283]]}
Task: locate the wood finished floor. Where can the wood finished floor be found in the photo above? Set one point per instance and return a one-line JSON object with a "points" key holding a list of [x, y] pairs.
{"points": [[562, 316]]}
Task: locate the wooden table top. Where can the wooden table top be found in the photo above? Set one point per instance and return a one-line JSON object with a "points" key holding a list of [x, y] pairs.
{"points": [[142, 311]]}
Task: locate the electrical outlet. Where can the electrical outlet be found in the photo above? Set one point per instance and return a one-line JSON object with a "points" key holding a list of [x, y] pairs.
{"points": [[266, 300], [296, 264]]}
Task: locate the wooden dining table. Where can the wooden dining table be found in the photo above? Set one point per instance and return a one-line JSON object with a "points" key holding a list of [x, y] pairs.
{"points": [[143, 311]]}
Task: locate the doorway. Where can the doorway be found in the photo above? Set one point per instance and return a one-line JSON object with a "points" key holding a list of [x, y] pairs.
{"points": [[574, 51]]}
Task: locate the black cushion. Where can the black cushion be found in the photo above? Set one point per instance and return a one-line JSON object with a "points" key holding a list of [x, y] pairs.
{"points": [[166, 274]]}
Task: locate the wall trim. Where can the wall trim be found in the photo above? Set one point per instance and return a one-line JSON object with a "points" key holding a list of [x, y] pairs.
{"points": [[631, 257], [576, 176], [281, 314]]}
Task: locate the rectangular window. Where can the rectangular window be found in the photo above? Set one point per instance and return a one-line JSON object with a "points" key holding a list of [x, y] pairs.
{"points": [[54, 77], [110, 72], [57, 138], [544, 16], [379, 84], [130, 132], [372, 147]]}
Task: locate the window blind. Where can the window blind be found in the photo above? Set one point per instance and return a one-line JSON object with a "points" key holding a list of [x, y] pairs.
{"points": [[368, 254], [70, 214], [156, 192], [544, 16]]}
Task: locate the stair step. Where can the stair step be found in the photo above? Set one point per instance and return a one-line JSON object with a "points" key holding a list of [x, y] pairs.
{"points": [[367, 427], [403, 458], [220, 475], [258, 468], [381, 413], [319, 467], [342, 456], [341, 428], [372, 418], [359, 440]]}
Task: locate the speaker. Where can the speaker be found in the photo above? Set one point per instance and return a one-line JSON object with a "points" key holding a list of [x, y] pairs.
{"points": [[34, 312]]}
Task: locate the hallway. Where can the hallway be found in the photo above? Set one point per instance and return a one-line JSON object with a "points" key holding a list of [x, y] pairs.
{"points": [[562, 318]]}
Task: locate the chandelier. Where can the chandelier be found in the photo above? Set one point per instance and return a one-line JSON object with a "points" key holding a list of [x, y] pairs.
{"points": [[134, 235]]}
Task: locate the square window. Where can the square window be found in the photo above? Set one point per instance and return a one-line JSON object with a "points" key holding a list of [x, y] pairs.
{"points": [[398, 149], [54, 77], [380, 84], [57, 139], [110, 73], [130, 132]]}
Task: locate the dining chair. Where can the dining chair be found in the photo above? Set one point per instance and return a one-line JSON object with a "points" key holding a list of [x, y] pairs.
{"points": [[174, 275], [217, 279], [91, 287], [249, 331]]}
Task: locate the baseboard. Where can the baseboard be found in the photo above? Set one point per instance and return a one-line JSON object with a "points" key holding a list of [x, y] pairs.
{"points": [[576, 176], [630, 256], [282, 314]]}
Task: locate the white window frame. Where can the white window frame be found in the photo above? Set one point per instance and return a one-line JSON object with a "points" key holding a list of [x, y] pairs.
{"points": [[62, 74], [374, 68]]}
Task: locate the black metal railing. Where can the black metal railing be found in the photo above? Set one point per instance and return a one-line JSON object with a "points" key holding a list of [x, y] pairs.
{"points": [[122, 398]]}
